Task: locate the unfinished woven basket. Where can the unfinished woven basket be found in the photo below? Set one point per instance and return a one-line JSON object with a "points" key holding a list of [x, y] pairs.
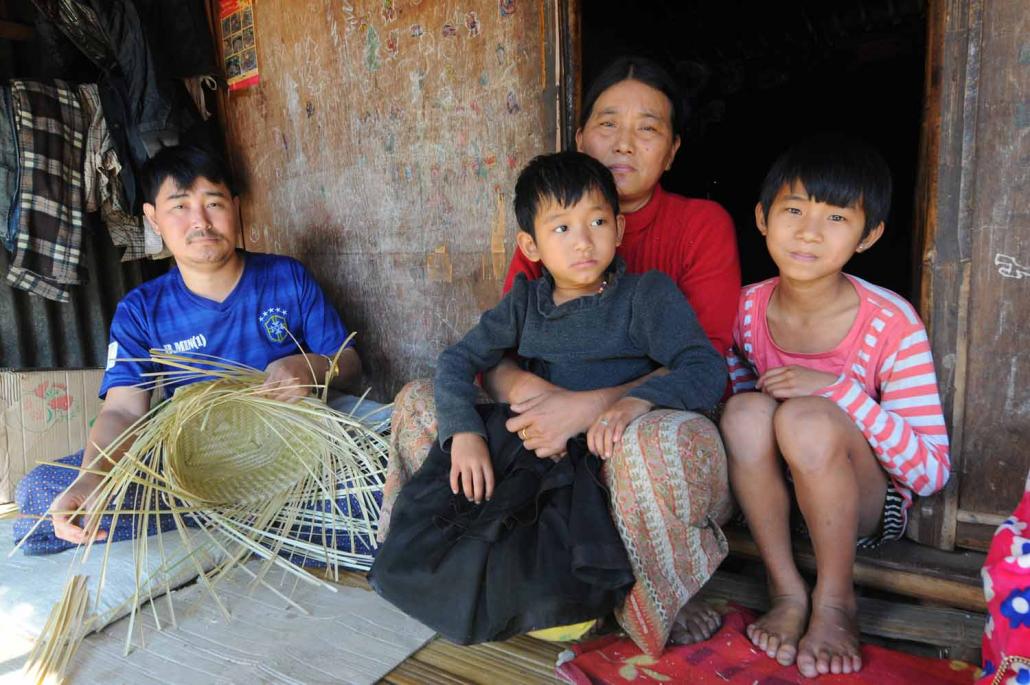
{"points": [[229, 449], [292, 483]]}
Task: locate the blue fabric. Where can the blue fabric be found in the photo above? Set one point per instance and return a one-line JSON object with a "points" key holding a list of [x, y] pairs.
{"points": [[43, 484], [373, 413], [275, 298]]}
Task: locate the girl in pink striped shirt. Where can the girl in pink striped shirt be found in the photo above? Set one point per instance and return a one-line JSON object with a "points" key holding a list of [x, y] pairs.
{"points": [[846, 399]]}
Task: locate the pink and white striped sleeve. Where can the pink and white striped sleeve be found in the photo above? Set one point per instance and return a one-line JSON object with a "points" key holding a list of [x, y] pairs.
{"points": [[742, 376], [906, 427]]}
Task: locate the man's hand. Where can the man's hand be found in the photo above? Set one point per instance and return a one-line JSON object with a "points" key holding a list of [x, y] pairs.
{"points": [[289, 379], [546, 422], [470, 465], [785, 382], [607, 430], [80, 494]]}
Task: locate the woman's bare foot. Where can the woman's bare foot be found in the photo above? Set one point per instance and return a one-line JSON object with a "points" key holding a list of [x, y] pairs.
{"points": [[831, 643], [696, 622], [778, 631]]}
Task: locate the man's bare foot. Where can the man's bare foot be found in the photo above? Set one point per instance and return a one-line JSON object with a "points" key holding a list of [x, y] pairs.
{"points": [[696, 622], [778, 631], [831, 643]]}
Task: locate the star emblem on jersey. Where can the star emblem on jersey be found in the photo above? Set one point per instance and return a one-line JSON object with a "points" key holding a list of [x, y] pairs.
{"points": [[273, 320]]}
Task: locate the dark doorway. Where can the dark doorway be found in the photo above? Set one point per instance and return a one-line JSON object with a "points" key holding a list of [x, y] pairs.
{"points": [[763, 75]]}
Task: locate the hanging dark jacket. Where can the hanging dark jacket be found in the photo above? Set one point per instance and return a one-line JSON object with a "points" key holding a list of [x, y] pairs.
{"points": [[143, 48]]}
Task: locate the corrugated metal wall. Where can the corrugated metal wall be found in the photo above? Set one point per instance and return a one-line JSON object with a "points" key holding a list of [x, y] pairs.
{"points": [[38, 333]]}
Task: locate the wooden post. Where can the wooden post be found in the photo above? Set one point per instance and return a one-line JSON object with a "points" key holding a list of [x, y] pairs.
{"points": [[971, 219]]}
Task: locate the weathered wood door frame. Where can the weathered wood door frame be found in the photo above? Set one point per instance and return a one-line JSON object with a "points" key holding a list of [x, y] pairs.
{"points": [[962, 116]]}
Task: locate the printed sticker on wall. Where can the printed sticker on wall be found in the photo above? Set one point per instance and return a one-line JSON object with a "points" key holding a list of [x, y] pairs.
{"points": [[239, 45]]}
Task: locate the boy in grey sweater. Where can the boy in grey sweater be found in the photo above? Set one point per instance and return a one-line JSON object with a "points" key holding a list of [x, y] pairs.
{"points": [[585, 324]]}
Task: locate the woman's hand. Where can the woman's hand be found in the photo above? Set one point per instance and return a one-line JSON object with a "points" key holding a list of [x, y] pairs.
{"points": [[607, 430], [546, 422], [471, 467], [785, 382]]}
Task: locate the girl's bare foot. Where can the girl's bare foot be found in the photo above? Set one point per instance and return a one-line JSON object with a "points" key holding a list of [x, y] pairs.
{"points": [[831, 644], [778, 631], [696, 622]]}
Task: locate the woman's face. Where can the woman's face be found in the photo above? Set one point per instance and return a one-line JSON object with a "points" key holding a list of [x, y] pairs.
{"points": [[630, 132]]}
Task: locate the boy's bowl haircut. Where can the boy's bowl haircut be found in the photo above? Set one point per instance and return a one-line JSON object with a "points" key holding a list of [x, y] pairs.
{"points": [[564, 177]]}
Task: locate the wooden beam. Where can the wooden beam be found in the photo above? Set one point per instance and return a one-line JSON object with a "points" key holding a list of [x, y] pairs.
{"points": [[993, 520], [959, 632], [953, 586], [13, 30]]}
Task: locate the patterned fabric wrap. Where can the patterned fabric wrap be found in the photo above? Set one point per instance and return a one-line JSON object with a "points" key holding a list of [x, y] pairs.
{"points": [[1006, 579], [669, 491], [51, 132]]}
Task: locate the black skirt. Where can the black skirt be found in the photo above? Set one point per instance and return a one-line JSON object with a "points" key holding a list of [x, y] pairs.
{"points": [[542, 552]]}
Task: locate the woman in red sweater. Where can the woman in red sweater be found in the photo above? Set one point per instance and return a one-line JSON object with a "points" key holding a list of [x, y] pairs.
{"points": [[667, 478]]}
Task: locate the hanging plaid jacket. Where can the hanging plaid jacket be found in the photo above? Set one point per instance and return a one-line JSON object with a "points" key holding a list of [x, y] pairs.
{"points": [[51, 131]]}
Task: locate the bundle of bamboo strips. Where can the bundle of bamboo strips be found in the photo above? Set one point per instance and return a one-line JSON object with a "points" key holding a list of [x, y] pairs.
{"points": [[290, 483]]}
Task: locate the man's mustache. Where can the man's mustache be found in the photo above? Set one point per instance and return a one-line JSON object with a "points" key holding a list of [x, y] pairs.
{"points": [[202, 234]]}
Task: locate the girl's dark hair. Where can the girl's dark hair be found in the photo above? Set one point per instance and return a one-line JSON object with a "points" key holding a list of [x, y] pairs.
{"points": [[837, 170], [648, 72], [564, 177], [184, 165]]}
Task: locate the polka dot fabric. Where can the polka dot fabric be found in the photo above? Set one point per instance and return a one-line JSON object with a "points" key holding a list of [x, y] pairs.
{"points": [[42, 485], [1006, 577]]}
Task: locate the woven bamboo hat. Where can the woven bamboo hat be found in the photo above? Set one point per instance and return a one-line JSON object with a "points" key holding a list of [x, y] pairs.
{"points": [[228, 448]]}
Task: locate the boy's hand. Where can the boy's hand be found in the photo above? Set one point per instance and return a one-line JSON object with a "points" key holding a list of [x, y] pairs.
{"points": [[546, 422], [609, 426], [289, 378], [785, 382], [470, 464]]}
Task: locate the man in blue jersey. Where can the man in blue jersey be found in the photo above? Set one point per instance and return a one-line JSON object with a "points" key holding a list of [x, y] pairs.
{"points": [[265, 311]]}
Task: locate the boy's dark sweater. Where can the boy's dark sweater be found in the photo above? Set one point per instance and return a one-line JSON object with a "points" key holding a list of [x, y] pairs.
{"points": [[639, 323]]}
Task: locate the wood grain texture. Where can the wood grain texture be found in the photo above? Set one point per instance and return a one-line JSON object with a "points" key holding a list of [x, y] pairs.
{"points": [[973, 217], [951, 579], [996, 426], [381, 149]]}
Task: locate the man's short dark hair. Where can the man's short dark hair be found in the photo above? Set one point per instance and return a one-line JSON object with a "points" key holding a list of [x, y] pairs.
{"points": [[648, 72], [564, 177], [837, 170], [184, 165]]}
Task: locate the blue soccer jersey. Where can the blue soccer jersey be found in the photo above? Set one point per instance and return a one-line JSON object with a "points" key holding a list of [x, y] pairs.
{"points": [[275, 302]]}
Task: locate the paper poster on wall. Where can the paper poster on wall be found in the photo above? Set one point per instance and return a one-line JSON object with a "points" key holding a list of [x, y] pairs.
{"points": [[239, 47]]}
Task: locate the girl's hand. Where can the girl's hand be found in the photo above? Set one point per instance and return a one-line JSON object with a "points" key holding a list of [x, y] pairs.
{"points": [[470, 465], [785, 382], [609, 426]]}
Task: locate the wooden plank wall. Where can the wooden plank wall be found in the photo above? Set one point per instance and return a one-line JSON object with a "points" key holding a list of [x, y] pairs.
{"points": [[996, 426], [381, 149], [976, 258]]}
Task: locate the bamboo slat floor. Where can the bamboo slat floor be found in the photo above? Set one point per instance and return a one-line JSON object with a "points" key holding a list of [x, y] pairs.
{"points": [[521, 660]]}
